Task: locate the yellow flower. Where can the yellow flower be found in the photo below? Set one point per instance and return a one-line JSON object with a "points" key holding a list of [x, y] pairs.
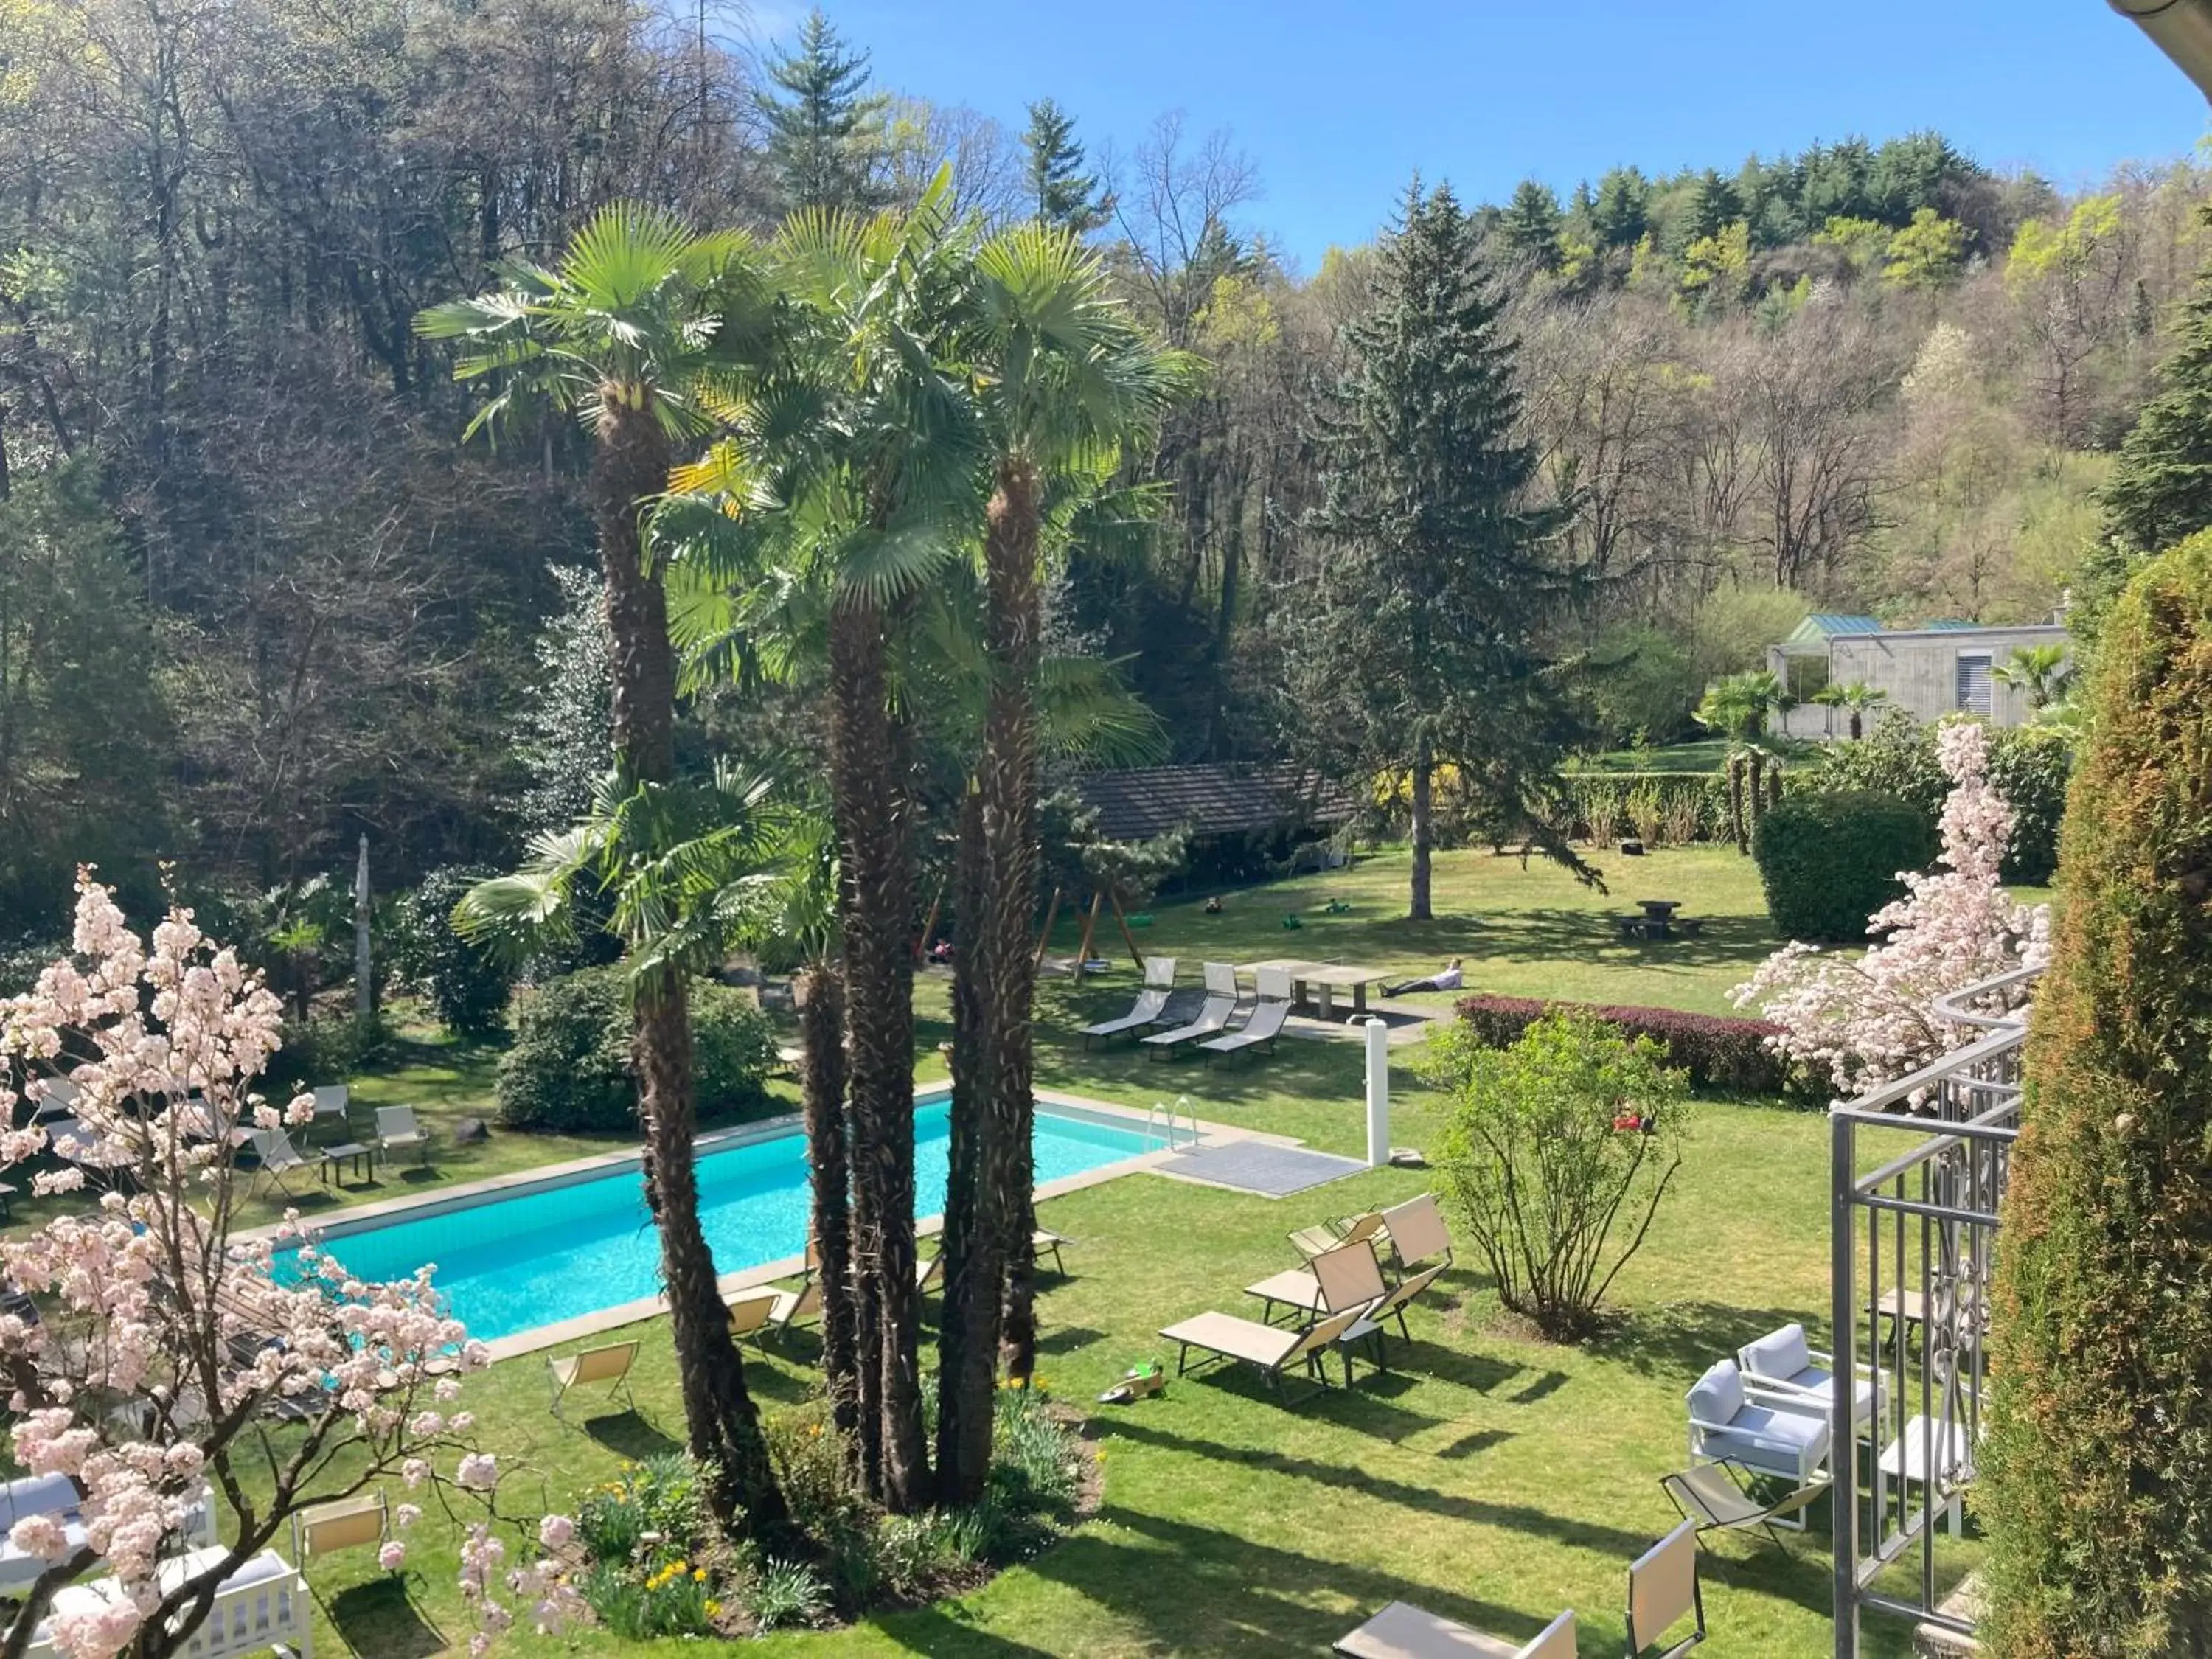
{"points": [[714, 1609], [699, 1575]]}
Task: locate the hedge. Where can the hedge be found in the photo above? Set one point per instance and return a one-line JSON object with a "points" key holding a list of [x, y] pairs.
{"points": [[1659, 808], [569, 1070], [1718, 1051], [2096, 1487], [1828, 862]]}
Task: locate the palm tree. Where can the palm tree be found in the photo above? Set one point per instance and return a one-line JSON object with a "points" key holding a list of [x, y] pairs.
{"points": [[1739, 706], [1856, 698], [1063, 379], [631, 333], [2036, 670]]}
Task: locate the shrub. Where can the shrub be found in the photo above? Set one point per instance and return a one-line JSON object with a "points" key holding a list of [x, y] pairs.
{"points": [[1717, 1051], [1556, 1197], [1829, 861], [2029, 767], [2097, 1477], [1680, 803], [785, 1592], [328, 1049], [467, 984], [569, 1070]]}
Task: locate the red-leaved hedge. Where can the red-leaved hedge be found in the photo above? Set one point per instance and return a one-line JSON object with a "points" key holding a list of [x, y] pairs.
{"points": [[1717, 1050]]}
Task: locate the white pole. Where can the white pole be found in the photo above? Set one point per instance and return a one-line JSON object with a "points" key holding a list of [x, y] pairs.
{"points": [[364, 976], [1378, 1093]]}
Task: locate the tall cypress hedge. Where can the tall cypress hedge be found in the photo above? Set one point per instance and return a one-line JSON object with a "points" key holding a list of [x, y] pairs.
{"points": [[2098, 1490]]}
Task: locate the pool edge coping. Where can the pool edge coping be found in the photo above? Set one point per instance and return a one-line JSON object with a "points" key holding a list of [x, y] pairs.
{"points": [[538, 1338]]}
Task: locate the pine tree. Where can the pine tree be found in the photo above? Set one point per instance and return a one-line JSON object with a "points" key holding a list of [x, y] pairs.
{"points": [[1417, 647], [1531, 225], [1061, 192], [1620, 214], [2161, 489], [826, 138], [2096, 1475]]}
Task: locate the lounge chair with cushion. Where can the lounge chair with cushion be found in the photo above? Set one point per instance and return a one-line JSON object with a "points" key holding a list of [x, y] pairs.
{"points": [[1663, 1591], [1151, 1002], [397, 1129], [609, 1364], [263, 1604], [1729, 1423], [1262, 1025], [1710, 1496], [1274, 1348], [1211, 1018], [1403, 1631], [1781, 1364]]}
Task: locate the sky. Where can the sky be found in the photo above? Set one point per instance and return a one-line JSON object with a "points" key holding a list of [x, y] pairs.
{"points": [[1339, 104]]}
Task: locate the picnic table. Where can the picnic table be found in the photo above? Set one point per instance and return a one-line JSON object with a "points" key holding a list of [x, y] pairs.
{"points": [[1318, 982], [1657, 920]]}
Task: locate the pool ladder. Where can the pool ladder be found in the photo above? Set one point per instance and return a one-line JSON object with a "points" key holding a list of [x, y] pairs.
{"points": [[1182, 1114]]}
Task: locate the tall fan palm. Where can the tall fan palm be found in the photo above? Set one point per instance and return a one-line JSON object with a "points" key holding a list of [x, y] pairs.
{"points": [[1062, 379], [2037, 670], [1855, 698], [630, 333]]}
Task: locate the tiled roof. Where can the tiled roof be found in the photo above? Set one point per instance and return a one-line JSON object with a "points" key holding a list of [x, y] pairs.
{"points": [[1210, 800]]}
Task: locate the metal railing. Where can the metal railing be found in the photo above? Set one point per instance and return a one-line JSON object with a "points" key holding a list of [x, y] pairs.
{"points": [[1913, 1240]]}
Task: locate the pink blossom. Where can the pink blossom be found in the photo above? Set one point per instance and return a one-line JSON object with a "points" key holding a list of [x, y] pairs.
{"points": [[392, 1556], [406, 1515], [41, 1536], [97, 1630], [556, 1531], [479, 1471], [1868, 1021]]}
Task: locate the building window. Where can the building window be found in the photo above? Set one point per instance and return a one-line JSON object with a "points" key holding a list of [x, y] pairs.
{"points": [[1974, 682]]}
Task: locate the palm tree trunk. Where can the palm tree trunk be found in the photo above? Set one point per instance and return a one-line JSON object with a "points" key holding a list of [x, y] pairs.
{"points": [[876, 865], [987, 1282], [1419, 909], [1735, 801], [822, 1042], [631, 464]]}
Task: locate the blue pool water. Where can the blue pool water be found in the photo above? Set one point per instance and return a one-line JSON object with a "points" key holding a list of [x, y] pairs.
{"points": [[557, 1253]]}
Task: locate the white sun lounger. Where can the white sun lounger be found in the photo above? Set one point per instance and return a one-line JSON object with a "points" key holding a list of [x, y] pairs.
{"points": [[1150, 1004]]}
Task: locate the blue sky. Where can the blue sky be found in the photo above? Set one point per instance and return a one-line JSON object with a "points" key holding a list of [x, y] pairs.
{"points": [[1338, 104]]}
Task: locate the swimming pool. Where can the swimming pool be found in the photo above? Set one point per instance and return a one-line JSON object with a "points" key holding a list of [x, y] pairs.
{"points": [[536, 1255]]}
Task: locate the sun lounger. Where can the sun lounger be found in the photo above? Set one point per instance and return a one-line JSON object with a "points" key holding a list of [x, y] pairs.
{"points": [[927, 1273], [1663, 1591], [1150, 1004], [1274, 1348], [1348, 1276], [1416, 1233], [1403, 1631], [1310, 1242], [1211, 1020], [347, 1524], [397, 1129], [750, 1313], [1711, 1496], [262, 1605], [611, 1365], [1265, 1023]]}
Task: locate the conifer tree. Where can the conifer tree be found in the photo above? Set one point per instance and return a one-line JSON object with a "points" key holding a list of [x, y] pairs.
{"points": [[2096, 1475], [1418, 647], [2160, 488], [826, 134], [1060, 193], [1530, 227]]}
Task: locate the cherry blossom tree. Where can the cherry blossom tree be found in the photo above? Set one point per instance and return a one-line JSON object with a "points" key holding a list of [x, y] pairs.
{"points": [[1869, 1020], [178, 1354]]}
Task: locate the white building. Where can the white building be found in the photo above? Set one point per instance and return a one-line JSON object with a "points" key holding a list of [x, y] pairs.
{"points": [[1928, 671]]}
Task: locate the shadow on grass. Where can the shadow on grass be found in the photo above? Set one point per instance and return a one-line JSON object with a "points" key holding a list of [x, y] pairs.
{"points": [[1227, 1594], [1364, 1408], [627, 1434], [380, 1618], [1540, 1388], [1067, 1339], [1679, 1340], [1475, 1444], [1516, 1517]]}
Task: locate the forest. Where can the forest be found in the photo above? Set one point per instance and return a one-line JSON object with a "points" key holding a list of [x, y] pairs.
{"points": [[258, 599]]}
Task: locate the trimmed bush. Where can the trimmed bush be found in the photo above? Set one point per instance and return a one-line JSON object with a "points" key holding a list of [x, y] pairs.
{"points": [[1718, 1051], [466, 983], [2030, 769], [569, 1070], [2096, 1482], [1829, 861]]}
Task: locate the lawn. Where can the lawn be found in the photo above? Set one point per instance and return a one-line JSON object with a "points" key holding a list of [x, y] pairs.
{"points": [[1489, 1476]]}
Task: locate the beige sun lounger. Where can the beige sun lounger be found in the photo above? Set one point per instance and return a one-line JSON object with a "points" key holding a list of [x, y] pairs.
{"points": [[1663, 1591], [1403, 1631], [346, 1524], [610, 1365], [1310, 1242], [1416, 1233], [927, 1273], [1348, 1276], [1274, 1348]]}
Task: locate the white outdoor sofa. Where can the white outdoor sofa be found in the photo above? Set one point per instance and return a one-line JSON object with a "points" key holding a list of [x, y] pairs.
{"points": [[57, 1495], [263, 1605]]}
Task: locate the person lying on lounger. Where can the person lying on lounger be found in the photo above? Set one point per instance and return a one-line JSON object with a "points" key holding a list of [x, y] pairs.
{"points": [[1445, 980]]}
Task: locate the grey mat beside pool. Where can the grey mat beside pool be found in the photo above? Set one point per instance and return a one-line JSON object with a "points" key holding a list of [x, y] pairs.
{"points": [[1257, 1167]]}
